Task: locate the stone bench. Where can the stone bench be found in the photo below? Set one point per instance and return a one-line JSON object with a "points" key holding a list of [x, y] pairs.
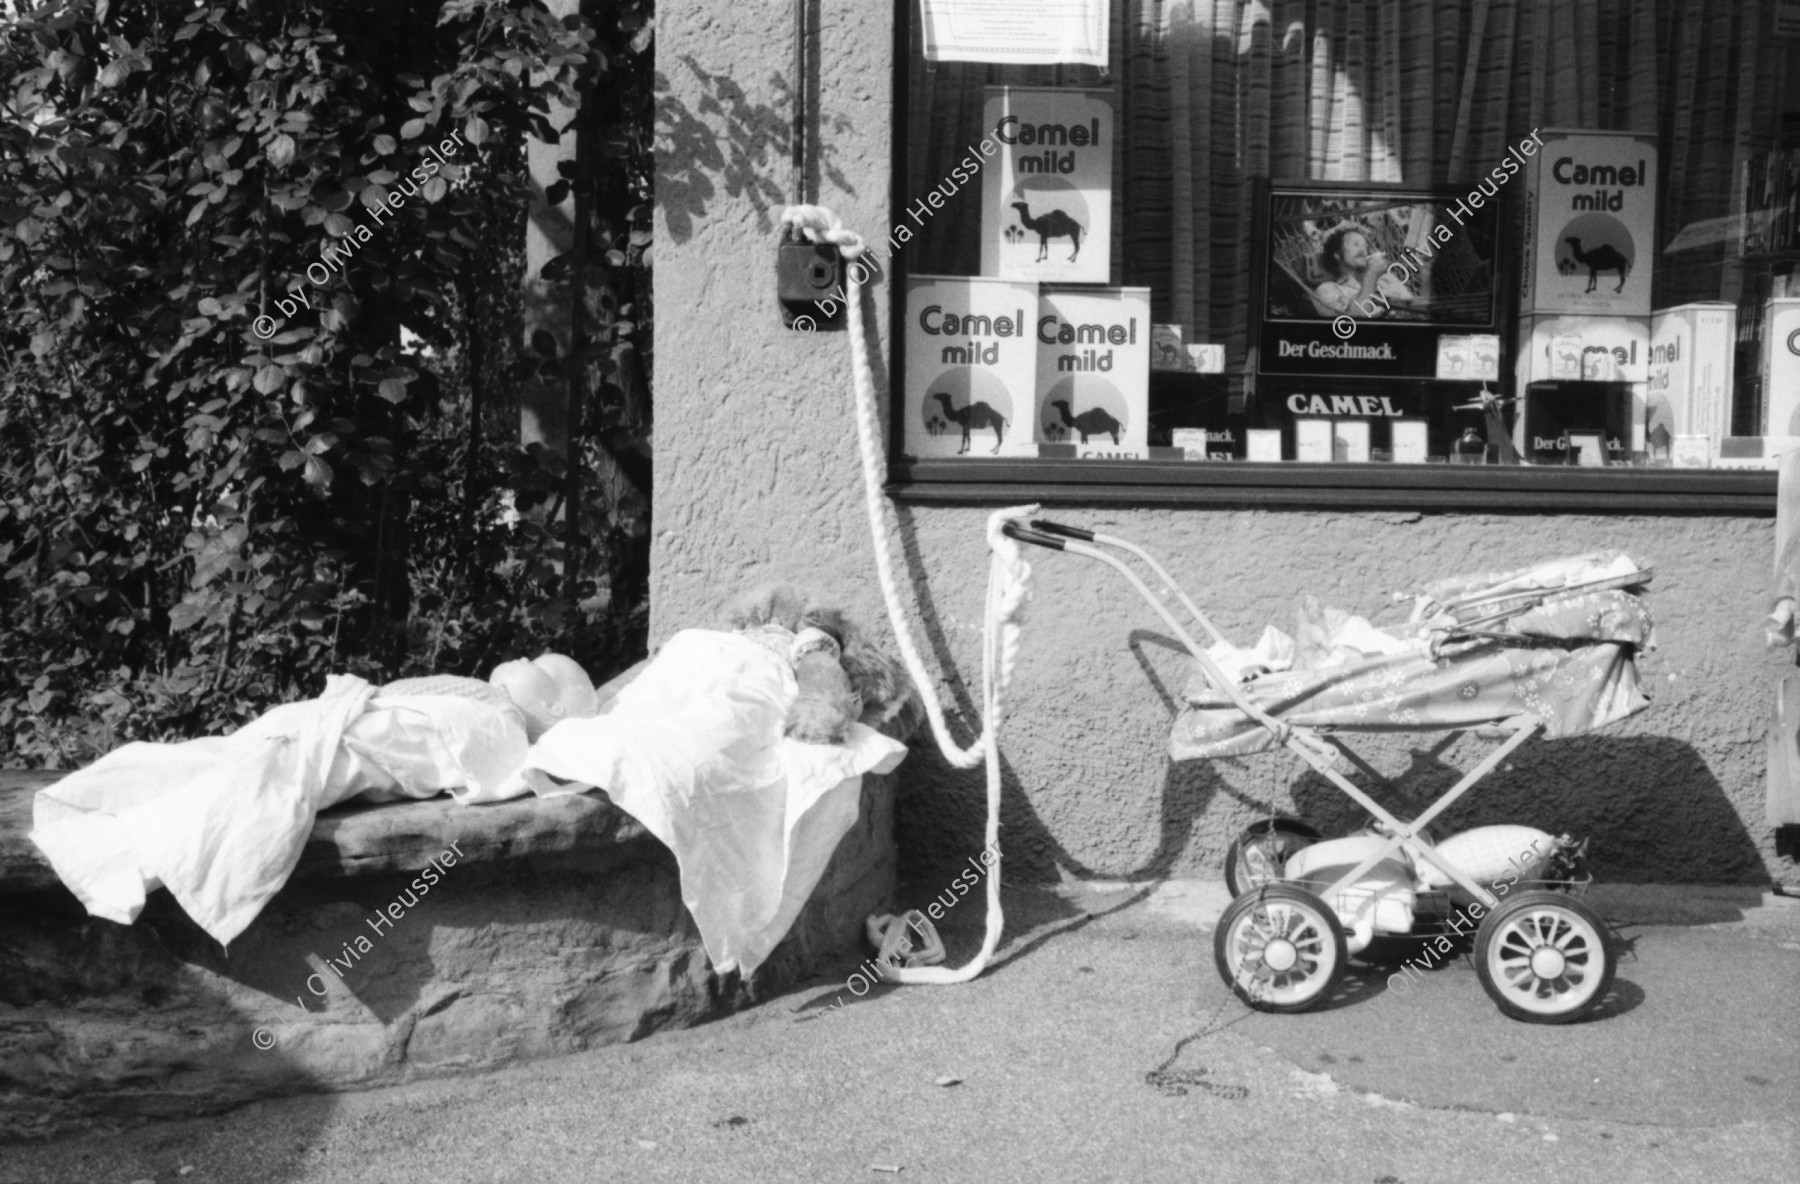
{"points": [[559, 926]]}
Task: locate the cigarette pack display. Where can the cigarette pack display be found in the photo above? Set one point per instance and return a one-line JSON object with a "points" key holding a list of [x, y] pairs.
{"points": [[1473, 357], [1754, 452], [1046, 197], [1350, 440], [1093, 370], [1781, 368], [1693, 452], [971, 362], [1207, 358], [1262, 444], [1590, 219], [1313, 440], [1549, 411], [1583, 349], [1690, 381], [1166, 349], [1411, 439]]}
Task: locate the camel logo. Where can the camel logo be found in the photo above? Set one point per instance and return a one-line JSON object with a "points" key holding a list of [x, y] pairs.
{"points": [[972, 418], [1046, 225], [1593, 246], [1088, 410], [964, 403]]}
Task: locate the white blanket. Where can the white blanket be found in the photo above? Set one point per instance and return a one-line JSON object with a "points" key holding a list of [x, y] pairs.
{"points": [[692, 748], [221, 821]]}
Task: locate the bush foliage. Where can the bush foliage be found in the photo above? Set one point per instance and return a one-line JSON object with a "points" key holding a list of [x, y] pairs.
{"points": [[202, 514]]}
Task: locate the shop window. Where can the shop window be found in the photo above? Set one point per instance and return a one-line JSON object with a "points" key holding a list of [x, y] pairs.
{"points": [[1427, 252]]}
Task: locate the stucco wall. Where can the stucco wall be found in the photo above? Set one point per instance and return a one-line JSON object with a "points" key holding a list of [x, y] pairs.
{"points": [[756, 480]]}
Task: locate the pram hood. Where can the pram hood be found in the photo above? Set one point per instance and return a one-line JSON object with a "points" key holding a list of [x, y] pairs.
{"points": [[1556, 641]]}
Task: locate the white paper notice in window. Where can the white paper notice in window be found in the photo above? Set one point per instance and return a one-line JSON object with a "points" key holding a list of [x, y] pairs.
{"points": [[1016, 32]]}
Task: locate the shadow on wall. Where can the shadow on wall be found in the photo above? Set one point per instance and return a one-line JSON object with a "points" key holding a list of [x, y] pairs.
{"points": [[1650, 806], [725, 142]]}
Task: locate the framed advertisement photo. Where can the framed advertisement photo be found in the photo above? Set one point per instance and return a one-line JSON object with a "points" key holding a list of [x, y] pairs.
{"points": [[1362, 280]]}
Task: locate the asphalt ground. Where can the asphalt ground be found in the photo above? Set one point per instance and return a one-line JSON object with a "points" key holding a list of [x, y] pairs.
{"points": [[1100, 1046]]}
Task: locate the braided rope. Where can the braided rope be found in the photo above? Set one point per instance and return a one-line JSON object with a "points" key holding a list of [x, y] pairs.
{"points": [[1008, 590]]}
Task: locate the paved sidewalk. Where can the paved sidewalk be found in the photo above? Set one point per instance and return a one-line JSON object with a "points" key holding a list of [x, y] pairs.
{"points": [[1037, 1071]]}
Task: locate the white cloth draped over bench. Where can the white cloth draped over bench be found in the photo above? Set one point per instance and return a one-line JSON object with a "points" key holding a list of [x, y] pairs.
{"points": [[692, 748]]}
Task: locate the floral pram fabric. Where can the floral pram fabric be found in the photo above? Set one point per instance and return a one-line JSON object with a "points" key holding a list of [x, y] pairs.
{"points": [[1557, 641]]}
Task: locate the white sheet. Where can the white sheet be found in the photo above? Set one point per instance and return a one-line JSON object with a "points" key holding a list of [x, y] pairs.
{"points": [[221, 821], [693, 748]]}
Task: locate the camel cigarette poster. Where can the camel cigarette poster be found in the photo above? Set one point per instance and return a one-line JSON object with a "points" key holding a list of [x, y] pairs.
{"points": [[1093, 371], [1017, 32], [1046, 200], [1590, 221], [971, 360]]}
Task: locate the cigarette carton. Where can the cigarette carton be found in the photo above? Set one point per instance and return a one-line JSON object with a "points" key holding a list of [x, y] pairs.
{"points": [[1689, 388], [971, 360], [1093, 370]]}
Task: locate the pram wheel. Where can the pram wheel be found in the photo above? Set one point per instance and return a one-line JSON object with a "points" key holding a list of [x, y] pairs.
{"points": [[1544, 957], [1280, 948], [1263, 850]]}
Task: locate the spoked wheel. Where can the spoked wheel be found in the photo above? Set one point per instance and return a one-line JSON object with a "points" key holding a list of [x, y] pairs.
{"points": [[1545, 957], [1263, 850], [1279, 948]]}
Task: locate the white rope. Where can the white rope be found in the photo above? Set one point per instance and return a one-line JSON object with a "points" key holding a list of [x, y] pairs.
{"points": [[1008, 590]]}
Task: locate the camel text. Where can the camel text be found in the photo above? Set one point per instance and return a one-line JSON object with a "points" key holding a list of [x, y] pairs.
{"points": [[1367, 405], [1050, 334], [1011, 131], [934, 320]]}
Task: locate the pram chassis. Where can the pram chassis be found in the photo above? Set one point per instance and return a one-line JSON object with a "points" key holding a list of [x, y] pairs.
{"points": [[1525, 949]]}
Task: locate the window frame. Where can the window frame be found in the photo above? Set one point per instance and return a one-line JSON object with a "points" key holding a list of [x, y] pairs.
{"points": [[1250, 484]]}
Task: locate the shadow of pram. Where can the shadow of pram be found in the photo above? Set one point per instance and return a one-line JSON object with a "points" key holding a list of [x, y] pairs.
{"points": [[1649, 806]]}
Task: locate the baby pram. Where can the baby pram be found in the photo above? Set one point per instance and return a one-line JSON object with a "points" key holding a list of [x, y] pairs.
{"points": [[1509, 656]]}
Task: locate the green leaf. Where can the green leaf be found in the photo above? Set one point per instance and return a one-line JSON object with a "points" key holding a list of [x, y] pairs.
{"points": [[281, 151], [270, 379], [385, 145], [392, 389], [185, 616], [412, 129], [475, 131]]}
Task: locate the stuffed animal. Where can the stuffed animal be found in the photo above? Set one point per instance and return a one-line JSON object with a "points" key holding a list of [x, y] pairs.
{"points": [[842, 678]]}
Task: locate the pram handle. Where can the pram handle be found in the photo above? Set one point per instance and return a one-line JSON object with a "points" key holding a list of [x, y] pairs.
{"points": [[1013, 530], [1057, 528]]}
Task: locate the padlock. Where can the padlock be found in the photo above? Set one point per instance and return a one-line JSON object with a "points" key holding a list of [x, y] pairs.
{"points": [[809, 283]]}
